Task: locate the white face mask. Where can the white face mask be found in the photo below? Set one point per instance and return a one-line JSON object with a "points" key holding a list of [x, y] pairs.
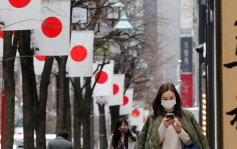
{"points": [[168, 104]]}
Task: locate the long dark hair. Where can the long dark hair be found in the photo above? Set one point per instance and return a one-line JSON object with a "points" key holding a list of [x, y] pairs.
{"points": [[117, 134], [156, 104]]}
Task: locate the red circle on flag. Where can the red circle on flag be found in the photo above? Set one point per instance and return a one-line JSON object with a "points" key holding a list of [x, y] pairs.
{"points": [[144, 119], [1, 34], [125, 100], [40, 57], [52, 27], [103, 77], [78, 53], [115, 89], [19, 3], [135, 113]]}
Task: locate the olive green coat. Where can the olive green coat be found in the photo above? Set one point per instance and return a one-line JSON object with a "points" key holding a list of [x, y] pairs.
{"points": [[149, 137]]}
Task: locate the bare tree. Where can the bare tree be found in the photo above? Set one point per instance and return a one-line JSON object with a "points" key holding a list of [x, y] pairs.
{"points": [[77, 106], [40, 105], [61, 95], [29, 88], [9, 85]]}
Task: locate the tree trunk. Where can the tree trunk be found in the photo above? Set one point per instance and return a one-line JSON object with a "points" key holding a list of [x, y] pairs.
{"points": [[103, 137], [29, 88], [77, 111], [114, 112], [86, 116], [61, 92], [41, 104], [9, 86], [67, 107]]}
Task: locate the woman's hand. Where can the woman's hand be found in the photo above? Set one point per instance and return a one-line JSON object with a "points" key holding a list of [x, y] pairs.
{"points": [[178, 126], [167, 121]]}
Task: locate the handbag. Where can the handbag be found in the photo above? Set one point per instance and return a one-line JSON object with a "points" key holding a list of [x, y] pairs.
{"points": [[192, 146]]}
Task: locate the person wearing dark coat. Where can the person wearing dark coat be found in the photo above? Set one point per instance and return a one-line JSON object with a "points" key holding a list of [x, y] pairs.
{"points": [[60, 142]]}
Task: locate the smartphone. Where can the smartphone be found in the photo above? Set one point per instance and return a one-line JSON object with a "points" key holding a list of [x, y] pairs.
{"points": [[170, 115]]}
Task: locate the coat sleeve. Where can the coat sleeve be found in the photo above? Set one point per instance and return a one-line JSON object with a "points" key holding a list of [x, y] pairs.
{"points": [[185, 137], [142, 136], [200, 134]]}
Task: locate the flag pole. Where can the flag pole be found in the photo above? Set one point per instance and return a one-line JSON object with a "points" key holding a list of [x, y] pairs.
{"points": [[3, 105], [3, 109]]}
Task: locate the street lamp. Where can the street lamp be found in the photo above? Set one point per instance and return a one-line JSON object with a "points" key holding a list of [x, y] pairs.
{"points": [[123, 23], [101, 106], [113, 9]]}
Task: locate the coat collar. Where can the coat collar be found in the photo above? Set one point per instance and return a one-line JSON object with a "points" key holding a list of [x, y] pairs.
{"points": [[186, 123]]}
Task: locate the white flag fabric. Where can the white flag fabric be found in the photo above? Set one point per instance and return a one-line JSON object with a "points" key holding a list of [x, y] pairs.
{"points": [[52, 39], [118, 88], [1, 44], [20, 14], [17, 63], [126, 107], [80, 60], [104, 85], [137, 117], [39, 61], [145, 115]]}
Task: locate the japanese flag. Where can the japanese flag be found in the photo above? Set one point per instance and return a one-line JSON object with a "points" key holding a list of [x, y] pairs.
{"points": [[20, 14], [145, 115], [137, 117], [80, 60], [1, 44], [104, 85], [118, 88], [39, 61], [52, 38], [126, 107]]}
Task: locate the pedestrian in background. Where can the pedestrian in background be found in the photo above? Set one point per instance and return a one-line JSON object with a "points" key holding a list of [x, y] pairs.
{"points": [[60, 142], [169, 126], [122, 137]]}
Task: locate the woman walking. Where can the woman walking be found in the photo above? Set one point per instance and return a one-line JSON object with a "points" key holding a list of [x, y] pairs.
{"points": [[169, 126], [122, 137]]}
